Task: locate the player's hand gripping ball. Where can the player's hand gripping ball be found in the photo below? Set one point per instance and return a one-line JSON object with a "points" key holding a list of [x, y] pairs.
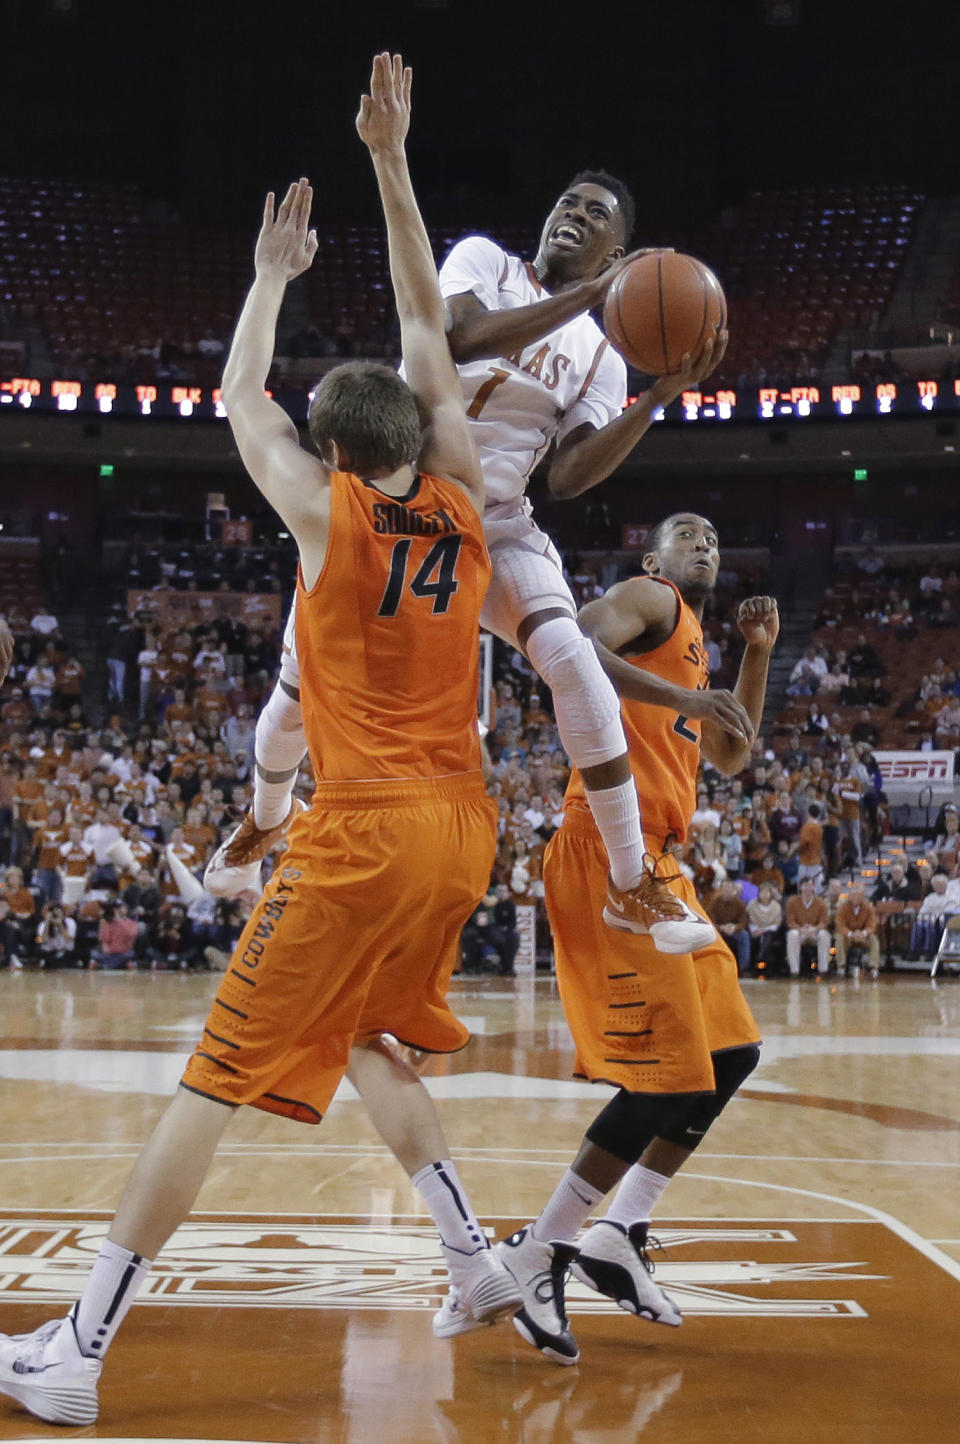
{"points": [[662, 307]]}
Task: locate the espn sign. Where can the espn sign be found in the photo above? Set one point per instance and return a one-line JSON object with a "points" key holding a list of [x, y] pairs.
{"points": [[914, 772]]}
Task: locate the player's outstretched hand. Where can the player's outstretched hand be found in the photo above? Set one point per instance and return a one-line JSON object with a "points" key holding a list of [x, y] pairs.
{"points": [[723, 709], [285, 245], [384, 115], [6, 650], [759, 621]]}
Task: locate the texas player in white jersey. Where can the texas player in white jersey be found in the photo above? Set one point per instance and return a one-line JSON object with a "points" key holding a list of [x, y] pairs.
{"points": [[539, 378]]}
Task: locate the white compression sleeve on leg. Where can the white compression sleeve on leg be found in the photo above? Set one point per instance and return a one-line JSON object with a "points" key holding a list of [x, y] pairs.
{"points": [[588, 718], [584, 698], [280, 747]]}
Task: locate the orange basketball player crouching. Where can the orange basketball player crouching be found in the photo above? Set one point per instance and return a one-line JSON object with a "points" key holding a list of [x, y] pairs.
{"points": [[674, 1035], [357, 933]]}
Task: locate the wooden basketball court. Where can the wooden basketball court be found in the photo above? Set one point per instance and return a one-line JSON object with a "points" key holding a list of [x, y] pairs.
{"points": [[813, 1243]]}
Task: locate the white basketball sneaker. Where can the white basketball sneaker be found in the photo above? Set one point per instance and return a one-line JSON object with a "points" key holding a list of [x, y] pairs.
{"points": [[46, 1373], [540, 1270], [235, 866], [480, 1299], [614, 1261]]}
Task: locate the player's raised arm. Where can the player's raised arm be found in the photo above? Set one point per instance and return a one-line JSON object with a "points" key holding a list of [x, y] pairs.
{"points": [[759, 623], [382, 124], [290, 478], [641, 608], [6, 649]]}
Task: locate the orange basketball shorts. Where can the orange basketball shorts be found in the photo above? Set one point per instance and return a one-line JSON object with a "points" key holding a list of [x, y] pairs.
{"points": [[640, 1019], [357, 934]]}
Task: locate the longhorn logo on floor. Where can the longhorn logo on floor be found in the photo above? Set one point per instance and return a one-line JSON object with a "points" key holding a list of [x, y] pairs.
{"points": [[709, 1269]]}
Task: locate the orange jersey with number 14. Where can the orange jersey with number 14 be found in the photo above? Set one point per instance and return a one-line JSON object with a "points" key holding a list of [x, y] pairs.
{"points": [[388, 639], [664, 746]]}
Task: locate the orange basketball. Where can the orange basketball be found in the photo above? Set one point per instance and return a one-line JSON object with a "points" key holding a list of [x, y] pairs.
{"points": [[662, 306]]}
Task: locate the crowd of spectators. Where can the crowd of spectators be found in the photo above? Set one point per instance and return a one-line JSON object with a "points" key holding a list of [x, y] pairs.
{"points": [[101, 822]]}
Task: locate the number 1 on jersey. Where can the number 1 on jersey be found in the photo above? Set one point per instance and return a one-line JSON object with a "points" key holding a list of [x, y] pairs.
{"points": [[486, 389], [441, 558]]}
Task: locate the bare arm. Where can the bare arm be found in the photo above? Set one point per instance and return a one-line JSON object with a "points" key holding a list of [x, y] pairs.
{"points": [[589, 455], [448, 448], [476, 334], [642, 607], [6, 649], [294, 482], [759, 622]]}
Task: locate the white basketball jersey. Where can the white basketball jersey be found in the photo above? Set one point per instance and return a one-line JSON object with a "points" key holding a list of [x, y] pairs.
{"points": [[520, 403]]}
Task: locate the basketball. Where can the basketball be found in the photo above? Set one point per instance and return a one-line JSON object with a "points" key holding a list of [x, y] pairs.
{"points": [[660, 308]]}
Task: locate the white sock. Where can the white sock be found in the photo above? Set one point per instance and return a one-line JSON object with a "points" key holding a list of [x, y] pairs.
{"points": [[616, 814], [114, 1283], [443, 1193], [271, 801], [634, 1200], [568, 1209], [280, 747]]}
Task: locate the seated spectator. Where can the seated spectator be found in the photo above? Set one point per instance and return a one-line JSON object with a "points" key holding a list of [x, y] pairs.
{"points": [[40, 682], [856, 933], [56, 937], [944, 615], [172, 939], [944, 851], [816, 722], [22, 913], [808, 927], [728, 914], [116, 937], [9, 939], [765, 921], [806, 675], [940, 903], [768, 872], [485, 946], [864, 660], [863, 730], [44, 624], [904, 886]]}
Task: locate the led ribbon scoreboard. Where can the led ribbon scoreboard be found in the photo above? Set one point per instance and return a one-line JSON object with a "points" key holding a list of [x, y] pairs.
{"points": [[765, 403]]}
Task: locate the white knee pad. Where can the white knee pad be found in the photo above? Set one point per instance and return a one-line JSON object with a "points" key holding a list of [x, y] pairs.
{"points": [[281, 741], [584, 699]]}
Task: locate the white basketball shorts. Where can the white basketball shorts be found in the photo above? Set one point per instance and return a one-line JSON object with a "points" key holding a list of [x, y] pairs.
{"points": [[289, 666], [527, 572]]}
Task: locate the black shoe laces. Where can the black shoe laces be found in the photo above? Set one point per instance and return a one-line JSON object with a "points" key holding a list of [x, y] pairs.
{"points": [[548, 1287]]}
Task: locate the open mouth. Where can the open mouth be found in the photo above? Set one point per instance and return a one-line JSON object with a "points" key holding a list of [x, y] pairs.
{"points": [[567, 234]]}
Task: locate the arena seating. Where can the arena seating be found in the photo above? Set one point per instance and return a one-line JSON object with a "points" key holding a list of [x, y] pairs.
{"points": [[108, 283]]}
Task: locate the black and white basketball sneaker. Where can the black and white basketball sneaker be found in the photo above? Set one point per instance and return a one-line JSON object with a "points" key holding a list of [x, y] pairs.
{"points": [[614, 1261], [540, 1270]]}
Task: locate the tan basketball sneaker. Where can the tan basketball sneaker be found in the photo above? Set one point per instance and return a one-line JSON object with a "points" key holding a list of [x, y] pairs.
{"points": [[652, 908], [236, 863]]}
